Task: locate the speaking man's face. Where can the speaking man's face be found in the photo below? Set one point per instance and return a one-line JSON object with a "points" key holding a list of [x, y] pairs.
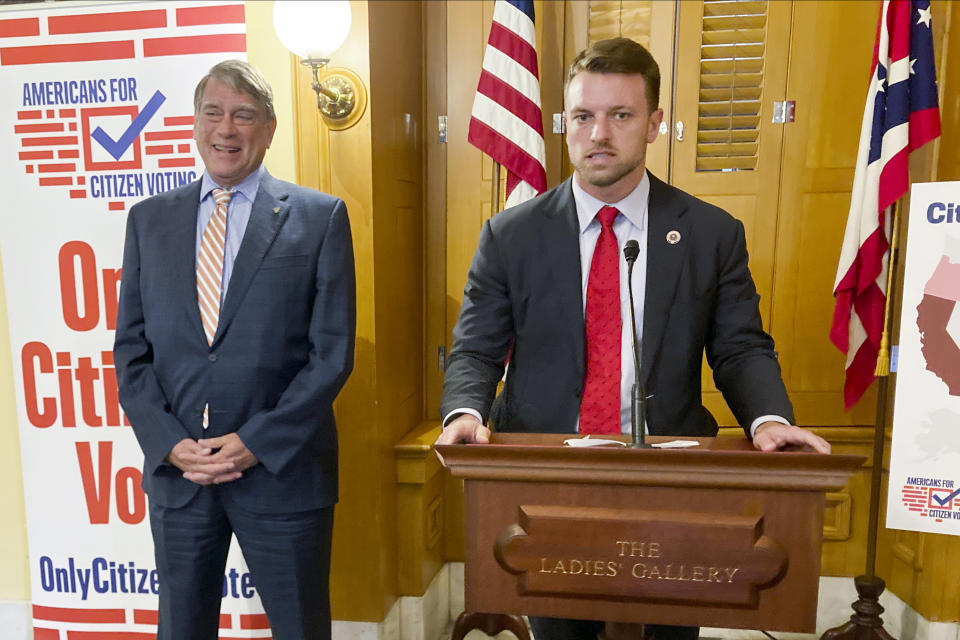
{"points": [[232, 133], [609, 125]]}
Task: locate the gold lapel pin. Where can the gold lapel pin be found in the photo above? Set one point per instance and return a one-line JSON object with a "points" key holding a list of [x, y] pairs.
{"points": [[276, 209], [673, 237]]}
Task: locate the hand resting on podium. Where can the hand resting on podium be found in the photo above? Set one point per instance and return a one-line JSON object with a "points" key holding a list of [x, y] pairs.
{"points": [[464, 428], [769, 436]]}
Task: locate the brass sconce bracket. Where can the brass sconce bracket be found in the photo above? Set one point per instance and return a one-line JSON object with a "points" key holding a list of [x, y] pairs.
{"points": [[341, 96]]}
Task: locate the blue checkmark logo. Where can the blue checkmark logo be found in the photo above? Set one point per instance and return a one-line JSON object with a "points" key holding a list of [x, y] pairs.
{"points": [[117, 148], [948, 498]]}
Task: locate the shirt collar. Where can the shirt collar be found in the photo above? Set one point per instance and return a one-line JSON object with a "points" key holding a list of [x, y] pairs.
{"points": [[633, 206], [247, 187]]}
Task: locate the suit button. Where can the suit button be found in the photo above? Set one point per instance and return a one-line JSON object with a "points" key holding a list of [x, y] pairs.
{"points": [[212, 357]]}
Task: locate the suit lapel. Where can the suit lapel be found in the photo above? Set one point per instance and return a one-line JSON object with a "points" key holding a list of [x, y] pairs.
{"points": [[664, 264], [267, 216], [183, 253], [563, 241]]}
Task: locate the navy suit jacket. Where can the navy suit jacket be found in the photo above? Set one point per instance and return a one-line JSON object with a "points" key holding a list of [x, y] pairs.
{"points": [[524, 297], [282, 351]]}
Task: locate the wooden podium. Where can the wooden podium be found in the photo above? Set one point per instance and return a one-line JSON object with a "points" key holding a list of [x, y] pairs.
{"points": [[717, 535]]}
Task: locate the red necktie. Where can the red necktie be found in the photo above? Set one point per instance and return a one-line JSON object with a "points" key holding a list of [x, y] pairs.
{"points": [[600, 407]]}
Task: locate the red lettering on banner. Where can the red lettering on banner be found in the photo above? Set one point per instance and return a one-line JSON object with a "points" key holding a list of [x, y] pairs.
{"points": [[96, 489], [71, 254], [37, 353], [68, 417], [111, 294], [83, 380], [131, 502]]}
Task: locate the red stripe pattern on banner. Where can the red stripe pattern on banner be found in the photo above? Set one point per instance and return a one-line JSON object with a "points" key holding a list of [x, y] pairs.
{"points": [[110, 635], [78, 193], [46, 127], [79, 52], [48, 141], [254, 621], [68, 153], [19, 27], [115, 206], [57, 168], [36, 155], [177, 134], [59, 181], [114, 21], [29, 115], [182, 45], [159, 148], [45, 634], [167, 163], [63, 614], [176, 121], [221, 14]]}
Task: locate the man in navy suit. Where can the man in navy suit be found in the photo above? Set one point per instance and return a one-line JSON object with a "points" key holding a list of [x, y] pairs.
{"points": [[528, 296], [228, 368]]}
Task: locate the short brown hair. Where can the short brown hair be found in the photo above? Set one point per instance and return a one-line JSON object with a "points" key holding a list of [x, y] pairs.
{"points": [[619, 55], [240, 76]]}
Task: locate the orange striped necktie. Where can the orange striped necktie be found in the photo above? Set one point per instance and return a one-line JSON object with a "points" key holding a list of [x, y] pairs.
{"points": [[210, 264]]}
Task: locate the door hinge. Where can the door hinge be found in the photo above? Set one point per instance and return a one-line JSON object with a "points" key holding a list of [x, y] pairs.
{"points": [[559, 124], [442, 129], [441, 359], [783, 111]]}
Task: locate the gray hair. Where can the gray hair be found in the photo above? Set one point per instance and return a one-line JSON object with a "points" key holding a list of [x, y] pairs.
{"points": [[240, 76]]}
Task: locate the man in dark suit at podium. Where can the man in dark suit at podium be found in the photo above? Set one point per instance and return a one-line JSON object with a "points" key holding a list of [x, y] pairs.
{"points": [[547, 292]]}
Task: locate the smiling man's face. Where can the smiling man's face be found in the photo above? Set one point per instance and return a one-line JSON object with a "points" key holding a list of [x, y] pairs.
{"points": [[232, 133], [609, 124]]}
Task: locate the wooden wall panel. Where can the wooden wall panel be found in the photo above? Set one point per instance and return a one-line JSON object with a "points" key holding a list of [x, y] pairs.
{"points": [[819, 153], [376, 167]]}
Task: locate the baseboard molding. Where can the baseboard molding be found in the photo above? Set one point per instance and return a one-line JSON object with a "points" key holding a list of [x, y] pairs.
{"points": [[428, 617]]}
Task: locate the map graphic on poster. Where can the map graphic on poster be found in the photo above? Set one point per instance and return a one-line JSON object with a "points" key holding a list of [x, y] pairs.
{"points": [[939, 326], [924, 493], [97, 106]]}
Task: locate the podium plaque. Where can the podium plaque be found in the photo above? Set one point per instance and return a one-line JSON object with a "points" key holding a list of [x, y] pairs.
{"points": [[717, 535]]}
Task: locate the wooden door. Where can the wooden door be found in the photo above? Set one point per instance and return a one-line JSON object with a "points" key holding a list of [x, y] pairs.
{"points": [[731, 68]]}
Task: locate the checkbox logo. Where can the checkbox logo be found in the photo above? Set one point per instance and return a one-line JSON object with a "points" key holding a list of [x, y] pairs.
{"points": [[95, 157], [118, 147]]}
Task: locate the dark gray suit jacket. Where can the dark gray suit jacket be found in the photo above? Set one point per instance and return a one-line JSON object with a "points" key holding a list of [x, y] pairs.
{"points": [[524, 292], [282, 351]]}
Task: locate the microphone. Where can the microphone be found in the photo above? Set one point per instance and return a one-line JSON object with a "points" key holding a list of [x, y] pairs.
{"points": [[638, 401]]}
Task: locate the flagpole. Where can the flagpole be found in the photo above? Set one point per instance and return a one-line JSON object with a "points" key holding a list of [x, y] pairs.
{"points": [[865, 623], [495, 200]]}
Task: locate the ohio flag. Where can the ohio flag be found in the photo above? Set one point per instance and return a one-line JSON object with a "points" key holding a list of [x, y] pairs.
{"points": [[506, 122], [901, 115]]}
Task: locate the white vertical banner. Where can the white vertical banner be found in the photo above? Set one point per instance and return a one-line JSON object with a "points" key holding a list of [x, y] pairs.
{"points": [[924, 491], [96, 103]]}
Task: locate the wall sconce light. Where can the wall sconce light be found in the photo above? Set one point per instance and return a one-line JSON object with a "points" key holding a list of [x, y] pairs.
{"points": [[314, 30]]}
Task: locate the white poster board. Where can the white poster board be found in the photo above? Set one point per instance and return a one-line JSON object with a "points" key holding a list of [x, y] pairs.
{"points": [[924, 493], [97, 102]]}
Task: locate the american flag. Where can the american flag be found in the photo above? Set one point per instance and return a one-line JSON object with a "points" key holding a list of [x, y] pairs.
{"points": [[506, 122], [901, 115]]}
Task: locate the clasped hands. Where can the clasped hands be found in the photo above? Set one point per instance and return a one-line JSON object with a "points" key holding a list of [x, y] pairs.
{"points": [[769, 436], [212, 460]]}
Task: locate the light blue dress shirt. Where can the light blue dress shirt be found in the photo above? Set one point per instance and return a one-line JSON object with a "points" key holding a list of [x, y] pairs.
{"points": [[238, 215]]}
